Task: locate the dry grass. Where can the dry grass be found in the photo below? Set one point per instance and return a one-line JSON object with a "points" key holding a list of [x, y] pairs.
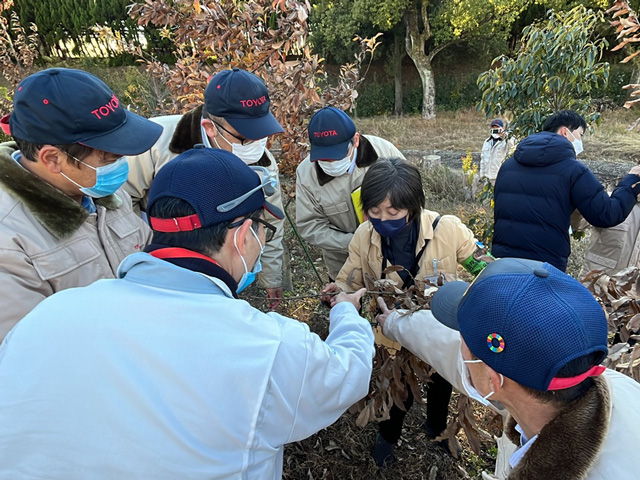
{"points": [[467, 129]]}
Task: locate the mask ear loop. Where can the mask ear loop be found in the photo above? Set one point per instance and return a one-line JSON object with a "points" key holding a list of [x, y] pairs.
{"points": [[269, 181]]}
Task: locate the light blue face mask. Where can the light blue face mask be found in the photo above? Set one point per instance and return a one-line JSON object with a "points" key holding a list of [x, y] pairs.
{"points": [[248, 277], [109, 178]]}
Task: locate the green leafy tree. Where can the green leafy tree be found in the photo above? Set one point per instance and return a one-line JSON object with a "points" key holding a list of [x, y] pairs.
{"points": [[557, 67]]}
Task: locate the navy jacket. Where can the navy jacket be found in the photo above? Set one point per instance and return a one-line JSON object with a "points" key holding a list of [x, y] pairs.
{"points": [[538, 189]]}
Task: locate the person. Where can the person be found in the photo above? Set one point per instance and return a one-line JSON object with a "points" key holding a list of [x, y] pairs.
{"points": [[614, 249], [173, 376], [328, 183], [64, 220], [495, 150], [400, 231], [538, 189], [527, 338], [235, 117]]}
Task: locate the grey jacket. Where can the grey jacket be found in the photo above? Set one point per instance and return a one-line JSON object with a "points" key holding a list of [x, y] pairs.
{"points": [[325, 214], [49, 242]]}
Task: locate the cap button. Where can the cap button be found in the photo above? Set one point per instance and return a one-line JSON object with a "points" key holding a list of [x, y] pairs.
{"points": [[541, 272], [235, 69]]}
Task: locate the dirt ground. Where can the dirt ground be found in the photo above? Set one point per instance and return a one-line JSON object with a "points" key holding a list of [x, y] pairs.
{"points": [[343, 450]]}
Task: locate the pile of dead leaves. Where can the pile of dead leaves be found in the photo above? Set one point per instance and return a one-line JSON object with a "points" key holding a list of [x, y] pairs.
{"points": [[619, 295], [396, 371]]}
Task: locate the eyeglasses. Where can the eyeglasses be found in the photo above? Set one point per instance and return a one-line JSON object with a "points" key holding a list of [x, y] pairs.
{"points": [[269, 230], [242, 140], [496, 130]]}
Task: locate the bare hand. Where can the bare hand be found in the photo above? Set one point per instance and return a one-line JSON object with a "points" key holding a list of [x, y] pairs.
{"points": [[274, 297], [382, 318], [329, 291], [352, 298], [635, 170]]}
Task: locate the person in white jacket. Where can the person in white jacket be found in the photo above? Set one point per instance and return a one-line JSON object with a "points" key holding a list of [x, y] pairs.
{"points": [[495, 151], [527, 339], [163, 373]]}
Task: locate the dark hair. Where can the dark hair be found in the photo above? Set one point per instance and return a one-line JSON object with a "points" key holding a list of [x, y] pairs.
{"points": [[564, 118], [30, 150], [205, 240], [565, 396], [394, 178]]}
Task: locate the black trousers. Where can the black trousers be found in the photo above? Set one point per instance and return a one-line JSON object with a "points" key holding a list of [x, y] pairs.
{"points": [[438, 396]]}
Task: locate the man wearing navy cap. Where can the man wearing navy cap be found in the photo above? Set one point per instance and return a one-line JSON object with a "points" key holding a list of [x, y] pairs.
{"points": [[235, 117], [64, 221], [163, 372], [527, 338], [495, 150], [328, 209]]}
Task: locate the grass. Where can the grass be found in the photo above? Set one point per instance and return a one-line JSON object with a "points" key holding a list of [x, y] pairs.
{"points": [[467, 129]]}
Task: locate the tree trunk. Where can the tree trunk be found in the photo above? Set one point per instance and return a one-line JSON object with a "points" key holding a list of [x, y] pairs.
{"points": [[398, 56], [423, 64], [415, 44]]}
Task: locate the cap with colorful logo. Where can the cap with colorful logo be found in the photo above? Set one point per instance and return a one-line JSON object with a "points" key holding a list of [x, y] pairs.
{"points": [[61, 106], [497, 123], [242, 99], [526, 320], [330, 134], [218, 185]]}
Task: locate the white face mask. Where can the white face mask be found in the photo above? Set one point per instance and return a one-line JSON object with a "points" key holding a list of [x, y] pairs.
{"points": [[577, 144], [468, 385], [250, 153], [338, 168], [495, 135]]}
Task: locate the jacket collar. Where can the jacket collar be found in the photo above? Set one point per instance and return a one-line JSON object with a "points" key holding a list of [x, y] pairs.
{"points": [[188, 134], [365, 157], [144, 269], [56, 211], [571, 442]]}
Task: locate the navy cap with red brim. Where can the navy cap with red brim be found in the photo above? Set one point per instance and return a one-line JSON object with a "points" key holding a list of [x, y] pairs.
{"points": [[255, 128]]}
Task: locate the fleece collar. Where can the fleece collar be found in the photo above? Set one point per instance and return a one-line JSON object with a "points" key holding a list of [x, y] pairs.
{"points": [[365, 157], [55, 211], [571, 442], [188, 134]]}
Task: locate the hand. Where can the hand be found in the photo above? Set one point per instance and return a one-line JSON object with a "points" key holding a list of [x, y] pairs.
{"points": [[352, 298], [329, 291], [635, 170], [382, 318], [274, 297]]}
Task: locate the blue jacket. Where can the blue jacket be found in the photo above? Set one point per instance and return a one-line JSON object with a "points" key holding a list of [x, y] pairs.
{"points": [[538, 189]]}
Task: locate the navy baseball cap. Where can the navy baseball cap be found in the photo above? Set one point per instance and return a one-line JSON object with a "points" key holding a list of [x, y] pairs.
{"points": [[208, 178], [497, 123], [60, 106], [526, 320], [330, 133], [242, 99]]}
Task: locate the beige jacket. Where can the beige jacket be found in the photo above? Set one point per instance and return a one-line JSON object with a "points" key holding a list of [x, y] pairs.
{"points": [[49, 242], [616, 248], [452, 243], [325, 215], [581, 443], [182, 132]]}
